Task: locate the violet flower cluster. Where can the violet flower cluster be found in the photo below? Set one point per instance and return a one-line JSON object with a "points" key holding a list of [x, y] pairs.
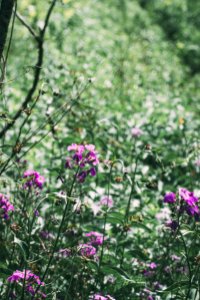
{"points": [[87, 250], [31, 281], [85, 157], [5, 206], [188, 202], [90, 248], [33, 179], [106, 201], [96, 238]]}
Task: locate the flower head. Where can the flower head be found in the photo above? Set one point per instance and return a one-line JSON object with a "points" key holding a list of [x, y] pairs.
{"points": [[173, 224], [64, 252], [5, 206], [87, 250], [170, 198], [187, 196], [190, 202], [85, 157], [152, 265], [106, 201], [33, 179], [31, 281], [96, 238], [136, 132]]}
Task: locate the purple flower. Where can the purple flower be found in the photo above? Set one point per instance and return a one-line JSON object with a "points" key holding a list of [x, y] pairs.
{"points": [[150, 297], [36, 213], [192, 210], [93, 172], [136, 132], [68, 163], [33, 179], [106, 201], [46, 235], [190, 202], [81, 176], [28, 275], [87, 250], [64, 252], [84, 156], [96, 238], [148, 273], [172, 224], [5, 206], [152, 265], [174, 257], [31, 281], [187, 196], [170, 198]]}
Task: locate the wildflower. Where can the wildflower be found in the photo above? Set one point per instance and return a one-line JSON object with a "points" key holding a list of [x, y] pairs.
{"points": [[64, 252], [84, 156], [33, 179], [175, 257], [152, 265], [31, 280], [106, 201], [46, 235], [190, 202], [187, 196], [172, 224], [36, 213], [87, 250], [136, 132], [96, 238], [5, 206], [170, 198]]}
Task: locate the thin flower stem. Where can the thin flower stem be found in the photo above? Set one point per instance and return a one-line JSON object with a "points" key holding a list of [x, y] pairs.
{"points": [[189, 267], [59, 232], [105, 221]]}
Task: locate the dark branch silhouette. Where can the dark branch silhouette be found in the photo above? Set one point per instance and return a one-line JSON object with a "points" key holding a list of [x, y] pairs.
{"points": [[38, 67], [6, 9]]}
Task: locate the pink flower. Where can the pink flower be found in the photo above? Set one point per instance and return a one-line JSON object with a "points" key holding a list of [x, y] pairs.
{"points": [[90, 147], [187, 196], [87, 250], [6, 206], [84, 156], [152, 265], [190, 202], [107, 201], [31, 280], [64, 252], [33, 179], [96, 238], [136, 132], [18, 275]]}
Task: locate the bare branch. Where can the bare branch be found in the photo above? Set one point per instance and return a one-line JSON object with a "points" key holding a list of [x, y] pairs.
{"points": [[36, 78], [6, 9], [23, 22]]}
